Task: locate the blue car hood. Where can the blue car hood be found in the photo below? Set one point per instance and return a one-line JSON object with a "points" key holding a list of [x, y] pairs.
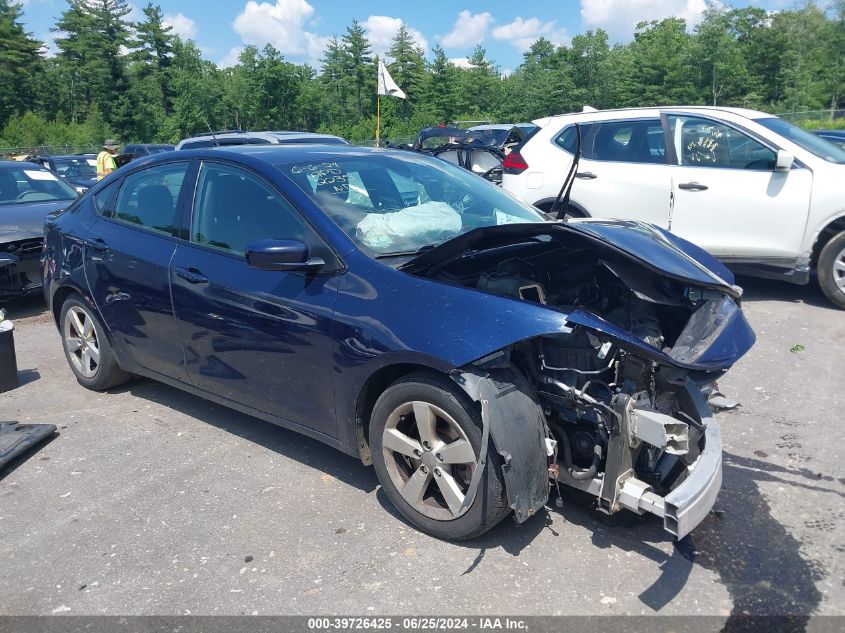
{"points": [[661, 250], [716, 336], [653, 247]]}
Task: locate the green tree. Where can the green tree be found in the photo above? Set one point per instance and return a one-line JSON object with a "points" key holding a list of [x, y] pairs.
{"points": [[149, 61], [358, 68], [594, 74], [95, 34], [407, 68], [198, 93], [723, 74], [440, 92], [661, 65], [21, 64], [478, 87]]}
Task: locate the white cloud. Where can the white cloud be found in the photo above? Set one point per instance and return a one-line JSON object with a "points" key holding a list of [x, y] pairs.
{"points": [[182, 25], [135, 14], [282, 25], [381, 30], [469, 30], [50, 49], [620, 17], [523, 33], [231, 58], [460, 62]]}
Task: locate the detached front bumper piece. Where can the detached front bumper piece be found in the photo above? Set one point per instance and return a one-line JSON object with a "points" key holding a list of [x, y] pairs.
{"points": [[690, 501]]}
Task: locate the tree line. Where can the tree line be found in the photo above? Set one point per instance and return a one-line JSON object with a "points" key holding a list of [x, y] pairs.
{"points": [[137, 81]]}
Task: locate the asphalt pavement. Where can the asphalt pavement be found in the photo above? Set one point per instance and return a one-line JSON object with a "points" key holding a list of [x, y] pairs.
{"points": [[153, 501]]}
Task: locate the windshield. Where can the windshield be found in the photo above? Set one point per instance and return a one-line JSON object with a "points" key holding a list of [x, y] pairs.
{"points": [[24, 183], [75, 167], [803, 138], [158, 149], [392, 203]]}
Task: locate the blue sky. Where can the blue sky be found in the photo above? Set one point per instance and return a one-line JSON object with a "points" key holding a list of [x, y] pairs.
{"points": [[300, 28]]}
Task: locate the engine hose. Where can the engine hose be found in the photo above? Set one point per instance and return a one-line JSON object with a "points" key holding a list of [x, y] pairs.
{"points": [[576, 473]]}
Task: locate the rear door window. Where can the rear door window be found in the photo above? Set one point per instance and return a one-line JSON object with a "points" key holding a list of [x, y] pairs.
{"points": [[568, 139], [638, 141], [148, 198]]}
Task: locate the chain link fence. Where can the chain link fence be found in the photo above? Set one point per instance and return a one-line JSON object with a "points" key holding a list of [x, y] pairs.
{"points": [[19, 153], [835, 116]]}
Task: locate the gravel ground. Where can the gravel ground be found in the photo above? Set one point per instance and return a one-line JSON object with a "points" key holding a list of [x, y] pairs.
{"points": [[152, 501]]}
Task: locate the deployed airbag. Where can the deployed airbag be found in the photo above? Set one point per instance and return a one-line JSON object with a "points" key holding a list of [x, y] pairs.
{"points": [[414, 226]]}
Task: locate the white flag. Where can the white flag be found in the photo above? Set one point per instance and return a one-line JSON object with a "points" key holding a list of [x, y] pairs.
{"points": [[386, 85]]}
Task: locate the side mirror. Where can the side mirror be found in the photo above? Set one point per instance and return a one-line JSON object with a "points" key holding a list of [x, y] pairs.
{"points": [[280, 255], [784, 160]]}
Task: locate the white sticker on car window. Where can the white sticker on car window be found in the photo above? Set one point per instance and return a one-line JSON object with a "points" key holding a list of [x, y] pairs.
{"points": [[92, 162], [34, 174]]}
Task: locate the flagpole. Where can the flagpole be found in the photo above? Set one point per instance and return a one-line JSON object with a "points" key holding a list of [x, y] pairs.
{"points": [[378, 119]]}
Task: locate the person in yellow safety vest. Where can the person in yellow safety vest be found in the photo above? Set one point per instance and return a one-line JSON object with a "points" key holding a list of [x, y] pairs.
{"points": [[105, 159]]}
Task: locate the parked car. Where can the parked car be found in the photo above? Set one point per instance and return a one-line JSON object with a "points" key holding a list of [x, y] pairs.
{"points": [[837, 137], [137, 150], [457, 340], [524, 129], [480, 149], [240, 137], [78, 170], [28, 193], [761, 194]]}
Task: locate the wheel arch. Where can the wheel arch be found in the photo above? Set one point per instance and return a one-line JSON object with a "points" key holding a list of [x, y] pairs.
{"points": [[832, 229], [370, 391], [59, 297], [545, 205]]}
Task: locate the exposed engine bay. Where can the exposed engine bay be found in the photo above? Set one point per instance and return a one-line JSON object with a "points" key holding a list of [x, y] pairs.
{"points": [[620, 425]]}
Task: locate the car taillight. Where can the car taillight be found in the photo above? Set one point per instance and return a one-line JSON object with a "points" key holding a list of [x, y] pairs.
{"points": [[514, 163]]}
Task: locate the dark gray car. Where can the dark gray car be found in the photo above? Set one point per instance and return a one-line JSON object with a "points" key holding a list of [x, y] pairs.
{"points": [[27, 194]]}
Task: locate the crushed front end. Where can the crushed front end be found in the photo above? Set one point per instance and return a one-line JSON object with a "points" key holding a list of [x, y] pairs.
{"points": [[620, 384], [635, 434], [20, 268]]}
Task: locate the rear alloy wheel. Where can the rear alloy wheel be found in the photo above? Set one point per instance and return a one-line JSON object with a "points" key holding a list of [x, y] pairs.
{"points": [[426, 436], [831, 270], [87, 348]]}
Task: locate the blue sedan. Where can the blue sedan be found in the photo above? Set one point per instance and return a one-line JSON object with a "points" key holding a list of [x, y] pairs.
{"points": [[407, 312]]}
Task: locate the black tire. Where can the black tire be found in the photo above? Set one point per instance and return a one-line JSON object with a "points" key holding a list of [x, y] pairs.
{"points": [[832, 254], [490, 505], [107, 373]]}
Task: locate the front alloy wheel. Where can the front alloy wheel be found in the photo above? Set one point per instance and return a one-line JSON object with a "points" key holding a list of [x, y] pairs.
{"points": [[425, 434], [429, 459]]}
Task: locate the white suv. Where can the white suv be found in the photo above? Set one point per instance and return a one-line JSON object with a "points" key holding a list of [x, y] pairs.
{"points": [[761, 194]]}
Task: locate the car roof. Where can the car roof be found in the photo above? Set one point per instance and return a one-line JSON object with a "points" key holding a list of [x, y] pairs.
{"points": [[598, 115], [66, 156], [20, 163], [275, 154], [272, 135]]}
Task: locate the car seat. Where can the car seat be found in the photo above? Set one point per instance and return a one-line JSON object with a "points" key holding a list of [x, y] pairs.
{"points": [[156, 208]]}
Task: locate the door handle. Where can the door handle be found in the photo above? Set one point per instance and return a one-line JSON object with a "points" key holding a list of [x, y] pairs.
{"points": [[98, 248], [191, 275], [586, 175], [692, 186], [97, 244]]}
